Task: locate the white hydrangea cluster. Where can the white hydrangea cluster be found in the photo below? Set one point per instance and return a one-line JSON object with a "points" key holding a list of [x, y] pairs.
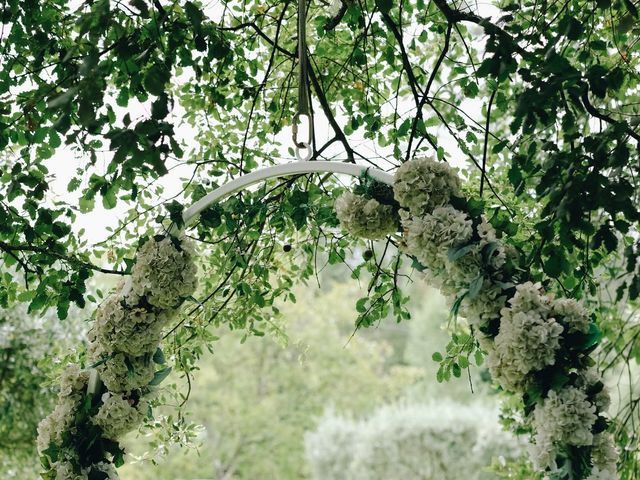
{"points": [[423, 184], [485, 306], [108, 469], [565, 417], [527, 340], [53, 426], [50, 430], [466, 268], [65, 471], [334, 7], [430, 236], [119, 415], [573, 314], [597, 474], [587, 380], [163, 274], [531, 324], [365, 218], [125, 336], [73, 380], [122, 373], [133, 331], [605, 454]]}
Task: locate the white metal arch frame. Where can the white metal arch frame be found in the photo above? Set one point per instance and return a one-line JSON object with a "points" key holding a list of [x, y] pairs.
{"points": [[285, 170], [240, 183]]}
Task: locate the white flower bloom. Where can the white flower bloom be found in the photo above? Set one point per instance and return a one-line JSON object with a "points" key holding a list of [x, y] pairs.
{"points": [[485, 306], [132, 330], [605, 453], [597, 474], [107, 468], [119, 372], [485, 341], [466, 268], [73, 380], [573, 312], [486, 232], [526, 342], [589, 378], [334, 8], [162, 274], [543, 453], [52, 427], [118, 416], [565, 417], [423, 184], [530, 296], [65, 471], [429, 237], [364, 218]]}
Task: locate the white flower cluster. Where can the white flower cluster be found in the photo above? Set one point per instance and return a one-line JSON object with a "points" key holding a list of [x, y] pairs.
{"points": [[66, 471], [119, 415], [587, 380], [365, 218], [50, 430], [573, 313], [53, 426], [163, 274], [130, 330], [122, 373], [334, 7], [565, 417], [464, 257], [429, 237], [527, 340], [486, 305], [604, 455], [127, 331], [423, 184], [597, 474]]}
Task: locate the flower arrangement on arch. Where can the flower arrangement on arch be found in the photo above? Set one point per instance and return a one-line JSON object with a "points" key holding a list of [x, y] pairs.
{"points": [[79, 439], [537, 346]]}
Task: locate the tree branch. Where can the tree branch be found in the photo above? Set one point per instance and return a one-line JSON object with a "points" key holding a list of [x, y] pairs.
{"points": [[12, 249]]}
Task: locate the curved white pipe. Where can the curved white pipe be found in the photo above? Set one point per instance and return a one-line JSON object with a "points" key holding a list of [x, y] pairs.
{"points": [[285, 170]]}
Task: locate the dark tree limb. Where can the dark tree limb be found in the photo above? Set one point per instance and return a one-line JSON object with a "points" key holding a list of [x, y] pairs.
{"points": [[486, 142], [12, 249]]}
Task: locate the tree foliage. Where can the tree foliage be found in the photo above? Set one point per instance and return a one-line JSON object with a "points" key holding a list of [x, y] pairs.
{"points": [[538, 102]]}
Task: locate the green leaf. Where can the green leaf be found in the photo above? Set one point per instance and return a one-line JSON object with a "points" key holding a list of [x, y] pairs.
{"points": [[160, 108], [455, 253], [475, 286], [158, 357], [570, 27], [437, 357], [361, 305], [384, 5], [175, 209], [62, 99], [155, 79], [556, 263], [463, 362], [109, 199], [479, 358], [211, 217], [160, 376]]}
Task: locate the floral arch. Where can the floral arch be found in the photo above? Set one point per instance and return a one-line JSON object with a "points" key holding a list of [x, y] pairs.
{"points": [[537, 345]]}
